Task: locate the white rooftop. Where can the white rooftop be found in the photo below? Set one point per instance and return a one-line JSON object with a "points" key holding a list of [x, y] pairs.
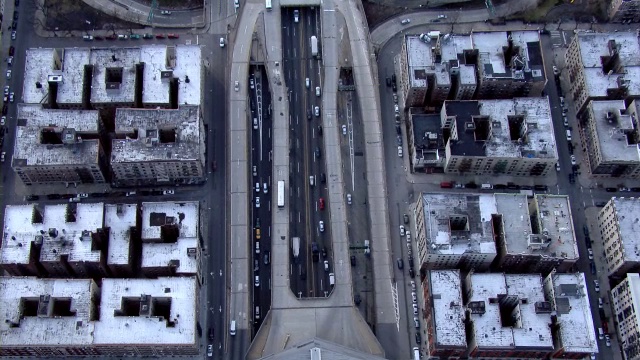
{"points": [[491, 62], [573, 312], [149, 146], [33, 119], [449, 315], [612, 125], [158, 255], [65, 239], [188, 63], [477, 238], [120, 218], [593, 46], [178, 294], [113, 58], [536, 112], [49, 330], [70, 88], [39, 64], [156, 214], [529, 331], [627, 212], [556, 237]]}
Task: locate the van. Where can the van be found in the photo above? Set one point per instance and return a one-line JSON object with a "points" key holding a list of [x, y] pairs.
{"points": [[232, 328], [317, 90], [600, 334], [307, 83], [312, 180], [332, 279], [568, 135], [486, 186], [416, 353], [257, 313]]}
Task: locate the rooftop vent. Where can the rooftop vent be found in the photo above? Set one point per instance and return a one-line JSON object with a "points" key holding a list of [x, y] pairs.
{"points": [[53, 78], [477, 307], [191, 252], [543, 307], [145, 305]]}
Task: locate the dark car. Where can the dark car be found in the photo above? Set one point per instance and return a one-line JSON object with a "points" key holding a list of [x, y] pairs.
{"points": [[572, 178], [394, 87], [410, 262], [267, 258], [635, 189], [318, 153], [15, 15], [601, 203], [611, 189], [389, 82], [12, 50], [54, 197], [418, 339], [308, 114], [324, 253], [319, 130], [593, 267], [356, 299], [540, 187], [160, 36], [323, 178], [214, 165], [4, 109], [111, 37], [210, 333], [499, 186], [513, 187], [412, 273], [147, 36], [398, 131], [173, 36], [14, 25], [32, 197], [353, 260], [16, 3], [585, 230], [98, 37], [400, 264], [405, 218], [471, 185]]}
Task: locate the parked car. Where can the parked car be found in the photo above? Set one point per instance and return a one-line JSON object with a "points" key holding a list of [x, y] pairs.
{"points": [[134, 36], [160, 36], [147, 36], [9, 74], [173, 36], [87, 38], [165, 12], [405, 21], [596, 285], [13, 35], [12, 50], [111, 37]]}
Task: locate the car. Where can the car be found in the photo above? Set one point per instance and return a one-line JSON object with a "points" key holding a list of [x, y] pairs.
{"points": [[5, 99], [321, 225], [396, 108], [324, 253], [97, 37], [9, 74], [257, 187], [344, 129], [353, 260], [296, 15], [257, 201], [15, 15], [596, 285], [601, 204], [160, 36], [323, 178], [600, 303], [317, 153], [236, 86], [607, 340], [555, 70], [308, 114], [418, 338], [251, 84], [590, 251], [16, 3], [13, 35], [348, 199], [442, 16], [168, 192], [319, 130], [412, 273], [87, 38], [10, 61], [258, 234], [12, 50], [83, 195], [321, 203], [400, 264], [11, 97], [404, 22], [399, 151], [399, 140], [413, 285], [624, 189], [405, 218], [416, 322], [123, 37], [211, 334], [326, 265], [134, 36], [209, 350], [388, 81], [236, 3], [414, 297], [402, 232], [557, 166], [635, 189], [111, 37], [566, 121], [165, 12], [573, 160], [3, 156], [572, 178], [222, 42], [265, 188], [415, 309], [256, 281], [31, 198], [3, 120], [611, 189], [5, 109], [255, 123], [173, 36], [255, 170], [266, 257], [316, 111], [147, 36]]}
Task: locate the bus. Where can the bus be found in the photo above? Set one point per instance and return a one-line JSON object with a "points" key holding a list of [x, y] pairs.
{"points": [[281, 194], [267, 4]]}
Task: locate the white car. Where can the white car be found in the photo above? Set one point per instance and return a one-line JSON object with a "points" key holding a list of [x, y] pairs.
{"points": [[413, 285], [82, 196], [209, 350], [607, 340], [596, 285], [405, 21], [566, 121], [6, 90], [399, 151], [10, 60], [11, 97], [349, 199], [401, 230], [555, 70], [415, 309], [442, 16], [257, 281], [257, 201], [265, 188], [167, 192], [296, 15], [165, 12], [557, 166], [222, 42], [13, 35], [255, 123], [87, 38], [251, 83], [257, 187], [236, 86], [414, 297], [573, 160], [236, 3], [321, 225], [3, 120], [316, 111], [590, 253], [344, 129], [9, 74], [2, 156]]}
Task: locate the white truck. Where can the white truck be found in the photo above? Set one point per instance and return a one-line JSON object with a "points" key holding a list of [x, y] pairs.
{"points": [[314, 45], [295, 247]]}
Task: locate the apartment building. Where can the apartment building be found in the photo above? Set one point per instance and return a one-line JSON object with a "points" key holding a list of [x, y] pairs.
{"points": [[170, 239], [123, 317], [618, 223], [624, 11], [122, 222], [455, 231], [489, 137], [158, 147], [482, 65], [603, 66], [426, 143], [610, 136], [626, 299], [534, 236], [58, 146]]}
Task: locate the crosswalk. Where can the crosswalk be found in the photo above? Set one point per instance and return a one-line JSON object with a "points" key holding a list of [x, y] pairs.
{"points": [[558, 38]]}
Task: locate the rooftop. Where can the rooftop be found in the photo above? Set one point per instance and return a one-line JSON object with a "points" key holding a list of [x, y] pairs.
{"points": [[514, 128], [449, 314], [171, 319], [162, 135], [459, 223], [573, 313], [555, 237], [525, 55], [55, 137], [120, 218], [158, 216], [114, 74], [596, 46], [60, 228], [427, 137], [627, 210], [21, 303], [613, 126], [503, 312], [39, 64]]}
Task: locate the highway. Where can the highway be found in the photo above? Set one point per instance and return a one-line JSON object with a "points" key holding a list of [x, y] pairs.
{"points": [[308, 203]]}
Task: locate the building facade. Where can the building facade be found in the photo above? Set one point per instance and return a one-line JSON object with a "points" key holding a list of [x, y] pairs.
{"points": [[617, 222], [626, 299], [624, 11]]}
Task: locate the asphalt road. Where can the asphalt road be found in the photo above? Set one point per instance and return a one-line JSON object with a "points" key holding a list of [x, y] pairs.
{"points": [[309, 279]]}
